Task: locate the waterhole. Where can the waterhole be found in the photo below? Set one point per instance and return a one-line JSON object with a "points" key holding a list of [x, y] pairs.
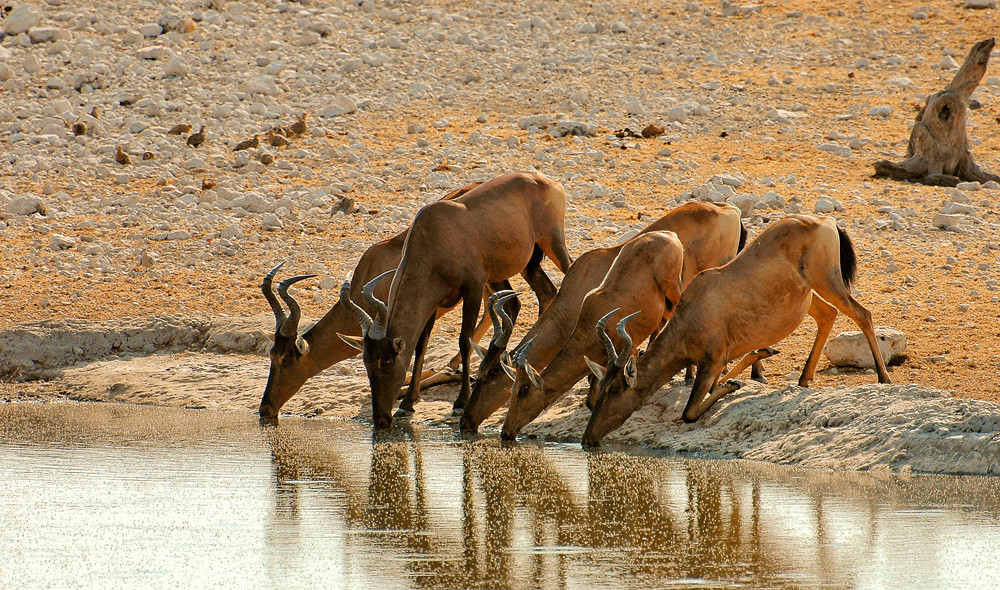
{"points": [[113, 495]]}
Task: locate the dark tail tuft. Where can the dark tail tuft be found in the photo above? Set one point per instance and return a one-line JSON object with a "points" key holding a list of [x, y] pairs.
{"points": [[743, 237], [848, 259]]}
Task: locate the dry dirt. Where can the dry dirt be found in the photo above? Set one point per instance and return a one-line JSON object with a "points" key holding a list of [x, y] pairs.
{"points": [[964, 332]]}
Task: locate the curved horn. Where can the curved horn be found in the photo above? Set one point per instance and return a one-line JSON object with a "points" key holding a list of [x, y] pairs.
{"points": [[265, 287], [626, 339], [506, 325], [377, 330], [363, 318], [521, 358], [497, 324], [290, 326], [603, 335]]}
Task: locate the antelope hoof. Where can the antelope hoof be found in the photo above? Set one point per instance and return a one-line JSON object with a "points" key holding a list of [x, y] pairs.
{"points": [[760, 379], [689, 381], [457, 412], [403, 414]]}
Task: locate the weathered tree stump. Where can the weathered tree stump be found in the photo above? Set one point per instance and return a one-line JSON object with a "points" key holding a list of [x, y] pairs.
{"points": [[938, 152]]}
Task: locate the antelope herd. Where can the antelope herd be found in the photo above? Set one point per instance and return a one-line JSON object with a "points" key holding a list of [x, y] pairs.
{"points": [[689, 282]]}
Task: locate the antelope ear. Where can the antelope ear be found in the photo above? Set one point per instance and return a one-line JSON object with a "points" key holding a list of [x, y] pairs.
{"points": [[355, 342], [630, 371], [505, 358], [533, 376], [595, 368], [302, 345], [511, 371], [269, 336], [397, 345], [478, 350]]}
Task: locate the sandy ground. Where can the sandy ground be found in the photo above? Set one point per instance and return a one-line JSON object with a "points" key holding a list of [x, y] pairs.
{"points": [[938, 286]]}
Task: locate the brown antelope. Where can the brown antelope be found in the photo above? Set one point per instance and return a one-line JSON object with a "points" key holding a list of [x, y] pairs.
{"points": [[295, 359], [642, 286], [798, 265], [711, 234], [452, 250]]}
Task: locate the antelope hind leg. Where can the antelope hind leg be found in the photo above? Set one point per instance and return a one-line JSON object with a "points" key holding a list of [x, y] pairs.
{"points": [[838, 296], [824, 314]]}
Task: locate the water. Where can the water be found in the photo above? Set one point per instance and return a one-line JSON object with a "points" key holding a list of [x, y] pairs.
{"points": [[125, 496]]}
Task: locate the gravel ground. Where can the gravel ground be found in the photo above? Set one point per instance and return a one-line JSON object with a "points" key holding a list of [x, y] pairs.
{"points": [[777, 107]]}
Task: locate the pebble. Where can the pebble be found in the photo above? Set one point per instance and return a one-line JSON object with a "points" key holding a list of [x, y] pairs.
{"points": [[21, 19]]}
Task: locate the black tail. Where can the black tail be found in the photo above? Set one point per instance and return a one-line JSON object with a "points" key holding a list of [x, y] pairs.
{"points": [[743, 237], [848, 259]]}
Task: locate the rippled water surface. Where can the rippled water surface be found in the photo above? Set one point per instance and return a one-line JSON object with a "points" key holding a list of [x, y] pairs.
{"points": [[126, 496]]}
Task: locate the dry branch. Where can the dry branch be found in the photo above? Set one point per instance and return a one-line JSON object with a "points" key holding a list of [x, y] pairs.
{"points": [[938, 151]]}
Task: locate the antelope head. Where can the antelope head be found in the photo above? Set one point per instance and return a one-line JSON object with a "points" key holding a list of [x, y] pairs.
{"points": [[286, 354], [615, 399], [380, 351], [527, 393]]}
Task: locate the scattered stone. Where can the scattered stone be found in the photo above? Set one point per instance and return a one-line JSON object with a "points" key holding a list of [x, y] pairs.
{"points": [[947, 221], [565, 128], [21, 19], [850, 349]]}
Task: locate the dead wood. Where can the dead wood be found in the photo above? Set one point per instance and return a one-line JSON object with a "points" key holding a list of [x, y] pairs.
{"points": [[938, 151]]}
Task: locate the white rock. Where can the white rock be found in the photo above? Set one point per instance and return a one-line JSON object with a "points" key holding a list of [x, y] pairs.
{"points": [[48, 34], [880, 111], [850, 349], [329, 283], [980, 4], [176, 67], [61, 242], [260, 85], [957, 209], [587, 29], [635, 107], [155, 52], [901, 81], [733, 179], [772, 200], [540, 121], [949, 63], [25, 205], [824, 206], [271, 222], [968, 186], [564, 128], [835, 149], [231, 232], [340, 105], [21, 19], [745, 202], [179, 234], [944, 220], [31, 64]]}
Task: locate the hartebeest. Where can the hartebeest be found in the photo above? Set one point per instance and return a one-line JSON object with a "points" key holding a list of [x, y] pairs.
{"points": [[296, 359], [452, 250], [642, 286], [756, 300], [711, 235]]}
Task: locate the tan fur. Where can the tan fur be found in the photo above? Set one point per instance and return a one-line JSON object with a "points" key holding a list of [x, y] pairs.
{"points": [[453, 249], [710, 234], [791, 269], [645, 277]]}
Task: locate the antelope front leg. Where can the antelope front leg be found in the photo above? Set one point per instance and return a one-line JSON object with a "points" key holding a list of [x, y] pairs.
{"points": [[704, 382], [413, 393], [470, 313]]}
